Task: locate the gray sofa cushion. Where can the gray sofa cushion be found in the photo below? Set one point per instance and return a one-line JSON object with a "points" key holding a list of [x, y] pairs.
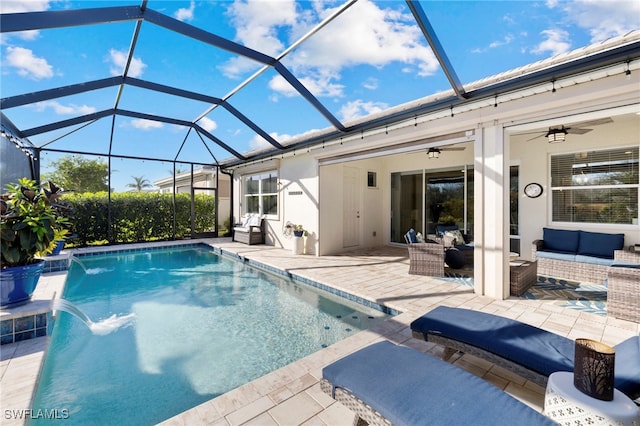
{"points": [[557, 256], [594, 260]]}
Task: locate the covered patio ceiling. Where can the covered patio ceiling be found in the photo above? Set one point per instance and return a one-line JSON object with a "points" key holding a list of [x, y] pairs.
{"points": [[241, 98]]}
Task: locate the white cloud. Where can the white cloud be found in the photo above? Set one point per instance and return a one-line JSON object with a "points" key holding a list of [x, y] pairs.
{"points": [[363, 35], [371, 83], [603, 19], [184, 14], [495, 44], [60, 109], [359, 108], [144, 124], [317, 85], [19, 6], [208, 124], [257, 23], [258, 142], [27, 64], [556, 42], [118, 60]]}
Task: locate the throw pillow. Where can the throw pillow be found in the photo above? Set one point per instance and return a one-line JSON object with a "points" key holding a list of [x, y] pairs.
{"points": [[457, 237], [419, 237]]}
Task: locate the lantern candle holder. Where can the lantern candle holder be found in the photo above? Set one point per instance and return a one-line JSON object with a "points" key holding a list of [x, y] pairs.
{"points": [[593, 369]]}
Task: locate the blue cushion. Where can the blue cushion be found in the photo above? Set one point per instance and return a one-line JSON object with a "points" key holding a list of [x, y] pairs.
{"points": [[412, 236], [625, 265], [537, 349], [524, 344], [409, 387], [627, 366], [440, 229], [569, 257], [594, 260], [560, 240], [600, 244], [454, 258]]}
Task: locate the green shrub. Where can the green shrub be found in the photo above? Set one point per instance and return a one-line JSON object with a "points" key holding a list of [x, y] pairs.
{"points": [[137, 217]]}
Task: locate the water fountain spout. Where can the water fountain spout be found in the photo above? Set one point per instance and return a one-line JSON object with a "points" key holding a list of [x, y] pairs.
{"points": [[103, 327]]}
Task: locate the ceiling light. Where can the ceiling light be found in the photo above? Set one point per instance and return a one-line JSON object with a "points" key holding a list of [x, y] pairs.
{"points": [[556, 135], [433, 153]]}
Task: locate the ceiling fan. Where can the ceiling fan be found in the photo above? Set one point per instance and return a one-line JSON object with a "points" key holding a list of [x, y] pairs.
{"points": [[435, 152], [558, 134]]}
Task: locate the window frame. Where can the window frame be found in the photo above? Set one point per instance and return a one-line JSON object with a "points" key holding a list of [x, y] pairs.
{"points": [[260, 194], [555, 187]]}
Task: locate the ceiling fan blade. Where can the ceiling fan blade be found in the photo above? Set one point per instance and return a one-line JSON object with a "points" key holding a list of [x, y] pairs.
{"points": [[577, 131], [453, 148], [591, 123], [536, 137]]}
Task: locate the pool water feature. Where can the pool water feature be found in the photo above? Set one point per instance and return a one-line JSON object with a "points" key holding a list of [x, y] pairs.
{"points": [[202, 324]]}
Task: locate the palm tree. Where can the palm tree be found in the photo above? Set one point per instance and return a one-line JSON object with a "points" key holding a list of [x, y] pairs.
{"points": [[140, 183]]}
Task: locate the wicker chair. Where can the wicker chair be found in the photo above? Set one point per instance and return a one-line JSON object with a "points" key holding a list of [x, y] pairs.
{"points": [[623, 293], [426, 259]]}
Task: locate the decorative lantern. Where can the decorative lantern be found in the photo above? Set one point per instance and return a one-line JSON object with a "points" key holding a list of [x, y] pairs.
{"points": [[593, 369]]}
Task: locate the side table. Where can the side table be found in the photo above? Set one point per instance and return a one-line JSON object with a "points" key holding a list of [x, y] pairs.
{"points": [[565, 404], [522, 275]]}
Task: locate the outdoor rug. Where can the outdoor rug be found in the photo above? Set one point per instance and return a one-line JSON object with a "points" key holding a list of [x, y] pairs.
{"points": [[585, 297]]}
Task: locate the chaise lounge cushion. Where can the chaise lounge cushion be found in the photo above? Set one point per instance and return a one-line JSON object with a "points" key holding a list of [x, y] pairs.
{"points": [[537, 349], [409, 387], [599, 244], [542, 351]]}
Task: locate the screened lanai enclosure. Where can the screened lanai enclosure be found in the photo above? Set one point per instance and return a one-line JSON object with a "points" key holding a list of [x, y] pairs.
{"points": [[166, 98]]}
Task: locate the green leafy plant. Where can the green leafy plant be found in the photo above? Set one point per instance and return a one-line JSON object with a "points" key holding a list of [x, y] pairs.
{"points": [[32, 223]]}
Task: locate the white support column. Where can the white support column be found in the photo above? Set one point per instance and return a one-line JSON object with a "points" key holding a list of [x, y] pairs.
{"points": [[495, 191], [478, 212]]}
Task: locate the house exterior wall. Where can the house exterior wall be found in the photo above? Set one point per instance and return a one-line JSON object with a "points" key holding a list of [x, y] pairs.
{"points": [[494, 142]]}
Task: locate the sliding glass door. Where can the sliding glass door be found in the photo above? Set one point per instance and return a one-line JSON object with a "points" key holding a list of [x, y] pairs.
{"points": [[406, 204], [423, 199]]}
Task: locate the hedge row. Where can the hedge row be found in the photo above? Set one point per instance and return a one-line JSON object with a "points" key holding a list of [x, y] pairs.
{"points": [[136, 217]]}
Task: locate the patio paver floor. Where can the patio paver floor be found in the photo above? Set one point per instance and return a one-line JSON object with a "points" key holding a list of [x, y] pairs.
{"points": [[291, 395]]}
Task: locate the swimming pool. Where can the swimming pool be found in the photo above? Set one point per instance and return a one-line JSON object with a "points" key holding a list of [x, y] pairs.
{"points": [[203, 325]]}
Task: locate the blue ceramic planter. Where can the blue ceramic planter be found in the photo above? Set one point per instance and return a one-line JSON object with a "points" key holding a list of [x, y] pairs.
{"points": [[59, 246], [18, 284]]}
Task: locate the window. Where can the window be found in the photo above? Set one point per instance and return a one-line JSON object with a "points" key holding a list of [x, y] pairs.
{"points": [[595, 186], [372, 179], [261, 193]]}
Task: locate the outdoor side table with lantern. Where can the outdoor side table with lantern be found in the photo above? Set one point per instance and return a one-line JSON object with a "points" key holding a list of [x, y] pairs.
{"points": [[587, 395]]}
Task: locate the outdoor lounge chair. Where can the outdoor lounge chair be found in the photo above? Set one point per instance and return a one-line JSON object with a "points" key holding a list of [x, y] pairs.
{"points": [[424, 258], [528, 351], [250, 230], [388, 384]]}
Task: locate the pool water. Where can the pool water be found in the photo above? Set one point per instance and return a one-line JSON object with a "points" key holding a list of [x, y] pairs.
{"points": [[202, 325]]}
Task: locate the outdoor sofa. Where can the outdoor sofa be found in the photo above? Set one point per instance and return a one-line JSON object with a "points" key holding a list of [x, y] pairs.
{"points": [[575, 254], [387, 384], [528, 351], [250, 230]]}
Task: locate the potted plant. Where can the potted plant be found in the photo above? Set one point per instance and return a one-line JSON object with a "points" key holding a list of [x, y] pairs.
{"points": [[298, 230], [31, 226]]}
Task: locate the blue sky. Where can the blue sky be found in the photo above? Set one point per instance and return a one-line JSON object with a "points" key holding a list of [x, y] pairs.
{"points": [[370, 58]]}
